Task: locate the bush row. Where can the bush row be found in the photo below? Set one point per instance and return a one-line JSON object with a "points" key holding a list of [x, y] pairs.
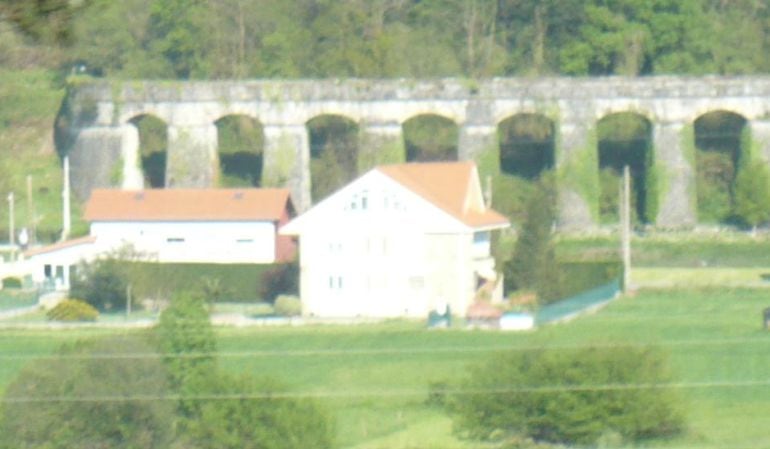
{"points": [[580, 276]]}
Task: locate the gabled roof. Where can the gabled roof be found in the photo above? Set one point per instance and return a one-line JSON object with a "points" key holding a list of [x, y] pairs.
{"points": [[451, 186], [87, 240], [188, 205]]}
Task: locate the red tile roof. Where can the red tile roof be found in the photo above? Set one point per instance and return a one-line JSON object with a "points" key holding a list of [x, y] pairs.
{"points": [[452, 186], [187, 205]]}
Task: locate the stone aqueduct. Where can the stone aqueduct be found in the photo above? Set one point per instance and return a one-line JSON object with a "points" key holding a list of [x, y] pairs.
{"points": [[102, 139]]}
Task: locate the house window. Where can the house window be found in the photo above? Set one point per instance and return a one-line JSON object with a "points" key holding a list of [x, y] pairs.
{"points": [[47, 271], [245, 241], [175, 240], [364, 200], [481, 237], [335, 282]]}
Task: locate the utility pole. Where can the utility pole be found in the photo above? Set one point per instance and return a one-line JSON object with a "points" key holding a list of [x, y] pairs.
{"points": [[625, 226], [11, 230], [31, 226], [65, 193]]}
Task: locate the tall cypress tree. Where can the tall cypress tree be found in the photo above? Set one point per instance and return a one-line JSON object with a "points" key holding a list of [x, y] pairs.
{"points": [[533, 265]]}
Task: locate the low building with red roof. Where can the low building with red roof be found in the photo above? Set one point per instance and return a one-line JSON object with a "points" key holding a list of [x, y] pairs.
{"points": [[195, 225], [401, 240], [225, 226]]}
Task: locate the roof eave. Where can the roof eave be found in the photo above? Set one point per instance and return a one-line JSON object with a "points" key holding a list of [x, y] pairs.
{"points": [[490, 226]]}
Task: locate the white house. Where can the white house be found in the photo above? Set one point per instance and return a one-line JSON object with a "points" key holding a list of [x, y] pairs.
{"points": [[194, 225], [401, 240], [174, 225], [54, 264]]}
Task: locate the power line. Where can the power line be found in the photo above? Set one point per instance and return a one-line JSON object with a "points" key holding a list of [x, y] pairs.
{"points": [[382, 351], [403, 392]]}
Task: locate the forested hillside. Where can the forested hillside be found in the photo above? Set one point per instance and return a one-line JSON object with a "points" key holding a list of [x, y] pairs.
{"points": [[387, 38], [43, 42]]}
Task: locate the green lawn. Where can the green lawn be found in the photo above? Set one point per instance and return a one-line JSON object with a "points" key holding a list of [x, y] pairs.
{"points": [[700, 277], [375, 378]]}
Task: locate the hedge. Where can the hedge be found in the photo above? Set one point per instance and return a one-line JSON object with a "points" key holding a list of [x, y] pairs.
{"points": [[578, 276], [240, 282]]}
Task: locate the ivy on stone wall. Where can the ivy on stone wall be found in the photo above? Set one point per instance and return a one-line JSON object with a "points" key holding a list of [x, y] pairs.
{"points": [[488, 162], [579, 172], [689, 154], [380, 150], [279, 162]]}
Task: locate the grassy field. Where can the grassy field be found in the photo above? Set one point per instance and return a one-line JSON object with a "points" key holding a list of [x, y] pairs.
{"points": [[375, 378], [683, 250]]}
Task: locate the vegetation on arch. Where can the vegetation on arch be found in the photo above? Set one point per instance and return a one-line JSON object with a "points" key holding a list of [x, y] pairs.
{"points": [[240, 147], [334, 152], [625, 139]]}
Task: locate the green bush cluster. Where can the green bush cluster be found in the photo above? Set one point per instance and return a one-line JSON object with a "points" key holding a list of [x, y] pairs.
{"points": [[288, 305], [12, 282], [102, 284], [72, 310], [279, 279], [569, 396]]}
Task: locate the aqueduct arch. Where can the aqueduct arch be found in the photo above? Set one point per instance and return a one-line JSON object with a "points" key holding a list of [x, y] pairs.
{"points": [[98, 115]]}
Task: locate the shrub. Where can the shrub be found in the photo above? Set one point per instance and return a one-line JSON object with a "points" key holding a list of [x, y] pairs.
{"points": [[282, 279], [533, 264], [102, 284], [288, 305], [261, 418], [580, 276], [11, 282], [86, 371], [570, 396], [752, 194], [72, 310]]}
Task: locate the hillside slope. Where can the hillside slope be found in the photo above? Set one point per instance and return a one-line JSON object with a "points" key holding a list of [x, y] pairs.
{"points": [[29, 101]]}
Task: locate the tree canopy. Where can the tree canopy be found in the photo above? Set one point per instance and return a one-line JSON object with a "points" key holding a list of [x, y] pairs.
{"points": [[396, 38], [106, 393]]}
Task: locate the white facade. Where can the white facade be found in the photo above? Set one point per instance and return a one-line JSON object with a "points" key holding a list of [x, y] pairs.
{"points": [[193, 241], [377, 249], [54, 265]]}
